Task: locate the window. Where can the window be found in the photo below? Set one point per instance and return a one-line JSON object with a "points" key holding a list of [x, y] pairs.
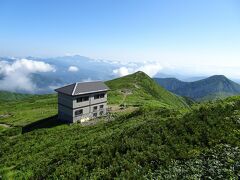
{"points": [[78, 112], [94, 114], [96, 97], [101, 106], [95, 108], [81, 99], [99, 96], [101, 113]]}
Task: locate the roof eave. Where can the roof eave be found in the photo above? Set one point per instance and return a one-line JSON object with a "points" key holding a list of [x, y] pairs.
{"points": [[57, 90], [90, 92]]}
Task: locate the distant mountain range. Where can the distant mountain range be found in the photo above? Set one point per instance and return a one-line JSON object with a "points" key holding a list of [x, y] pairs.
{"points": [[87, 69], [138, 88], [211, 88]]}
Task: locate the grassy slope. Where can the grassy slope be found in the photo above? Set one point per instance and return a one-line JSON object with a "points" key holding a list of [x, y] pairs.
{"points": [[34, 108], [216, 96], [10, 96], [141, 89], [160, 143]]}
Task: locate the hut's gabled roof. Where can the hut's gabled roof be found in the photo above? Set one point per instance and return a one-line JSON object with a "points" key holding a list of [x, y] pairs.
{"points": [[83, 88]]}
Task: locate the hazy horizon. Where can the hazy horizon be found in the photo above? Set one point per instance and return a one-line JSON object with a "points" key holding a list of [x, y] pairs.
{"points": [[194, 38]]}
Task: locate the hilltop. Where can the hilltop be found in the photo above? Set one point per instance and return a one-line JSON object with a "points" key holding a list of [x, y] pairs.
{"points": [[211, 88], [138, 89]]}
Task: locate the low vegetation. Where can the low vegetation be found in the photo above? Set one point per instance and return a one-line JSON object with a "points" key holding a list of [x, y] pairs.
{"points": [[147, 143], [28, 110]]}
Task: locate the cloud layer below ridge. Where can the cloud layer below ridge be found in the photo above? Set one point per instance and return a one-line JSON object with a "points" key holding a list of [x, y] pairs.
{"points": [[151, 69], [16, 74]]}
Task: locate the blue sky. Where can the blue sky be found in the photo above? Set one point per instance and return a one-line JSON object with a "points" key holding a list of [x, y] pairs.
{"points": [[186, 33]]}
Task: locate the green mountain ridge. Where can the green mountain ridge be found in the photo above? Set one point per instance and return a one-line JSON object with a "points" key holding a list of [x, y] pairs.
{"points": [[211, 88], [139, 88]]}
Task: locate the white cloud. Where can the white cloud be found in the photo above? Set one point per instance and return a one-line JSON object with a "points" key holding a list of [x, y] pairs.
{"points": [[150, 69], [87, 80], [70, 54], [52, 87], [122, 71], [16, 75], [73, 69]]}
